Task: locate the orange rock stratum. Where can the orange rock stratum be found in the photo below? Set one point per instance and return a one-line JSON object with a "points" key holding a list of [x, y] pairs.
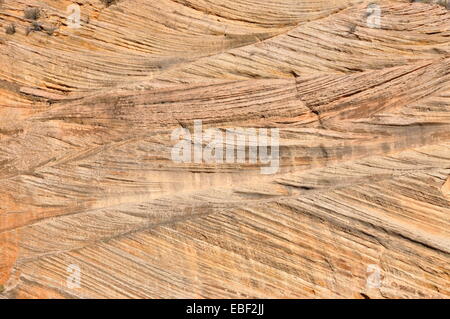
{"points": [[96, 94]]}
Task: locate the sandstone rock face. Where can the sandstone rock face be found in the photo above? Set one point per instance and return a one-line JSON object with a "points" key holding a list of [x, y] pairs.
{"points": [[94, 205]]}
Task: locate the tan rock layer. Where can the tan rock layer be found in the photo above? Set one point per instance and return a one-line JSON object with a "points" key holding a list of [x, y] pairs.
{"points": [[87, 178]]}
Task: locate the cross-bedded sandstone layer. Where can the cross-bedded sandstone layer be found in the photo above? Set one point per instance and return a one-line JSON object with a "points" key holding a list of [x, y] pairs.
{"points": [[87, 177]]}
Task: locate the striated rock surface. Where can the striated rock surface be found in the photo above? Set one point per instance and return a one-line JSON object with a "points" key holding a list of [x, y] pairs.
{"points": [[93, 205]]}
